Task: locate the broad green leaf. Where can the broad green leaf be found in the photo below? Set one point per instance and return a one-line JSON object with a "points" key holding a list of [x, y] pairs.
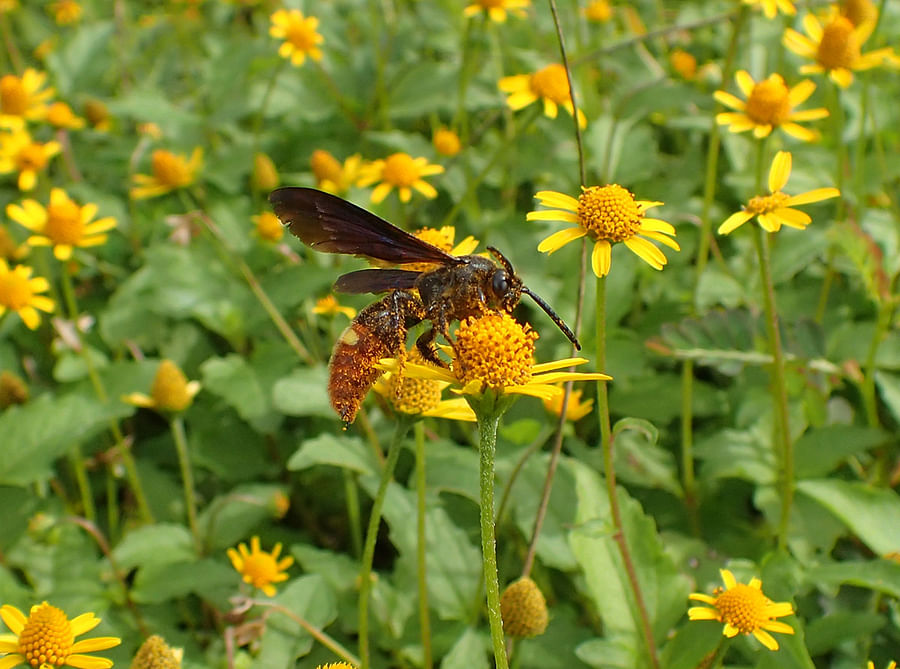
{"points": [[339, 570], [820, 450], [878, 575], [234, 516], [336, 450], [692, 643], [614, 652], [888, 385], [831, 631], [208, 578], [303, 393], [234, 379], [469, 652], [156, 545], [639, 458]]}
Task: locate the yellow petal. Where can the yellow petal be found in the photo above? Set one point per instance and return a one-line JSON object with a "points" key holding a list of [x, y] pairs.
{"points": [[780, 171], [552, 198], [815, 195], [647, 252], [601, 258], [559, 239]]}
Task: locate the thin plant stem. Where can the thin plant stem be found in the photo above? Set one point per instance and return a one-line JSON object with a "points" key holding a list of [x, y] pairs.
{"points": [[365, 570], [351, 494], [421, 546], [176, 423], [76, 460], [870, 399], [643, 616]]}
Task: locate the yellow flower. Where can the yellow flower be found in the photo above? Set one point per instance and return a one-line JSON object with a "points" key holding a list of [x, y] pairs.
{"points": [[683, 63], [575, 410], [400, 171], [19, 293], [25, 96], [444, 238], [770, 104], [891, 665], [268, 227], [523, 609], [328, 306], [171, 390], [265, 175], [258, 568], [770, 7], [599, 11], [336, 665], [607, 214], [97, 115], [13, 390], [299, 35], [20, 153], [9, 248], [65, 11], [774, 210], [46, 639], [155, 653], [744, 609], [331, 175], [8, 5], [859, 11], [836, 48], [497, 9], [60, 115], [446, 142], [170, 172], [549, 85], [63, 224], [494, 352]]}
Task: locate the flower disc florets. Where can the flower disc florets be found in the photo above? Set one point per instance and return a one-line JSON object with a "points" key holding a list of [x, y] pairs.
{"points": [[494, 350], [523, 609], [839, 46], [411, 395], [610, 212], [769, 102], [764, 204], [551, 82], [47, 637], [743, 607]]}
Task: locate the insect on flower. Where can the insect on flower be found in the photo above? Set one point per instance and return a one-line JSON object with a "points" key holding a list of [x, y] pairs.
{"points": [[453, 288]]}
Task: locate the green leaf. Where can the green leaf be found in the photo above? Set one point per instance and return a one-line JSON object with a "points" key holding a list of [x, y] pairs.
{"points": [[469, 652], [208, 578], [302, 393], [820, 450], [878, 575], [336, 450], [614, 652], [889, 389], [155, 545], [831, 631], [639, 458], [231, 517], [235, 380], [692, 643]]}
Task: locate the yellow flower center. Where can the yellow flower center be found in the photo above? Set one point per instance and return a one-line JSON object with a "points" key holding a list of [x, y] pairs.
{"points": [[763, 204], [400, 170], [495, 350], [15, 291], [46, 639], [859, 11], [413, 396], [31, 157], [551, 83], [490, 4], [170, 169], [609, 212], [268, 227], [839, 46], [598, 10], [325, 167], [261, 567], [13, 97], [768, 103], [170, 389], [64, 224], [436, 237], [155, 653], [523, 609], [96, 112], [446, 142], [742, 607], [300, 34]]}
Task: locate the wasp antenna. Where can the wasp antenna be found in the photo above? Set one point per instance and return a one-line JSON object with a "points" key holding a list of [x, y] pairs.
{"points": [[507, 265], [553, 316]]}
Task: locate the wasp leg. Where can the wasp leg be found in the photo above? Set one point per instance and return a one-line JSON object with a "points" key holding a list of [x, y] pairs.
{"points": [[425, 344]]}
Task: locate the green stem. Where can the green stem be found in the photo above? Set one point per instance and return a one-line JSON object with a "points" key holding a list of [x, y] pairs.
{"points": [[870, 399], [187, 477], [351, 493], [365, 571], [421, 546], [642, 617], [83, 483]]}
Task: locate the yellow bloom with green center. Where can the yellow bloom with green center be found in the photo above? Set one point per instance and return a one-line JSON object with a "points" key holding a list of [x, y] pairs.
{"points": [[20, 153], [299, 33], [549, 85], [46, 639], [400, 171], [332, 175], [268, 227], [606, 214], [744, 609], [497, 9], [171, 391], [170, 172], [19, 292], [769, 105], [835, 47], [259, 568], [446, 142], [328, 306], [60, 115], [62, 224], [25, 96], [66, 12], [775, 209], [772, 7]]}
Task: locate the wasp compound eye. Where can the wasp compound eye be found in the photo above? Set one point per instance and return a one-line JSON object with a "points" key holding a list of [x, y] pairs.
{"points": [[500, 283]]}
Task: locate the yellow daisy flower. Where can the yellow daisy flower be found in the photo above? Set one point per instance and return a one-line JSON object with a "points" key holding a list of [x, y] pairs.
{"points": [[606, 214], [328, 306], [155, 653], [63, 224], [835, 47], [170, 172], [497, 9], [891, 665], [550, 85], [259, 568], [333, 176], [683, 63], [46, 639], [400, 171], [25, 96], [20, 153], [299, 35], [170, 391], [772, 7], [66, 11], [575, 410], [60, 115], [446, 142], [599, 11], [770, 104], [19, 293], [336, 665], [268, 227], [744, 609], [859, 11], [264, 176], [774, 210]]}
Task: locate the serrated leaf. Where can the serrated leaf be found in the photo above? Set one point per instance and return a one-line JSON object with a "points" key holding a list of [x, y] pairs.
{"points": [[234, 516]]}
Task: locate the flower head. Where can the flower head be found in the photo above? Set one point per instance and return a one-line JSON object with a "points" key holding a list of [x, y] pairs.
{"points": [[60, 115], [575, 409], [683, 63], [771, 7], [13, 390], [265, 175], [155, 653], [497, 9], [20, 153], [328, 306], [744, 609], [258, 568], [299, 34], [835, 47], [25, 96], [65, 11], [336, 665], [550, 85], [170, 172], [523, 609], [97, 114], [770, 104], [171, 391], [46, 639], [446, 142], [332, 175], [607, 214], [63, 224], [599, 11], [774, 210], [19, 293], [445, 239], [891, 665], [268, 227], [400, 171], [859, 11]]}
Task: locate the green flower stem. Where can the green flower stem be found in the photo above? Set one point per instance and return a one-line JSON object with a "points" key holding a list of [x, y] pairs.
{"points": [[83, 482], [187, 476], [421, 545], [870, 399], [351, 494], [365, 571], [642, 617]]}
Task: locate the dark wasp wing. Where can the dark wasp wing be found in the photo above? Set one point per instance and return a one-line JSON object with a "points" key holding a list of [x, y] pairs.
{"points": [[328, 223], [376, 281]]}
